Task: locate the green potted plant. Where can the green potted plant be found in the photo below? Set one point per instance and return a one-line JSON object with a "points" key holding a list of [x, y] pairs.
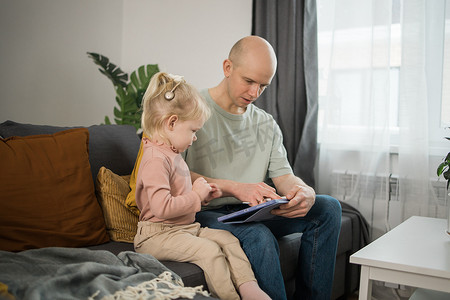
{"points": [[129, 93], [444, 168]]}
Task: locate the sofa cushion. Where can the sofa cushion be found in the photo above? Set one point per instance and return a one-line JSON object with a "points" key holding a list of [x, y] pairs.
{"points": [[113, 247], [112, 146], [289, 246], [345, 236], [112, 190], [191, 274], [47, 195]]}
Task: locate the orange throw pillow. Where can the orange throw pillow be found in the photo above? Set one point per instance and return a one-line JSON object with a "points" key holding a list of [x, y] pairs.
{"points": [[47, 193]]}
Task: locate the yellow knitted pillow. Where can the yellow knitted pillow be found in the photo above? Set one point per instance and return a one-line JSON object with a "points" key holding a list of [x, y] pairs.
{"points": [[112, 190], [131, 197]]}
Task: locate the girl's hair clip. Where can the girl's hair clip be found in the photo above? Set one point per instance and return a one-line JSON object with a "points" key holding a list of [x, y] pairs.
{"points": [[169, 95]]}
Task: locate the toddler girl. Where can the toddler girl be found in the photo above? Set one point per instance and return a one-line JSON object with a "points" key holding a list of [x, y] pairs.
{"points": [[173, 111]]}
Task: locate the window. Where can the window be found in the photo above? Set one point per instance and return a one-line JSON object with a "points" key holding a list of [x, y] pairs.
{"points": [[445, 106], [362, 53]]}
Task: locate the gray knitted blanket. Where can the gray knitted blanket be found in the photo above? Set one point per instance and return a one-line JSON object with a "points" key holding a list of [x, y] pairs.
{"points": [[75, 273]]}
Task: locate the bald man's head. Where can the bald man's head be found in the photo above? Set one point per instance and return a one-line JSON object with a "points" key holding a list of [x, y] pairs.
{"points": [[253, 47]]}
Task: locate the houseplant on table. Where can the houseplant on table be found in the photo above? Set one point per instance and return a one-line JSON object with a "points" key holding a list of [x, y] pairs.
{"points": [[128, 93], [444, 170]]}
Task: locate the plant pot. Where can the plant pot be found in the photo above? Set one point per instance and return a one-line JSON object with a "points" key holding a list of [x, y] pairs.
{"points": [[448, 214]]}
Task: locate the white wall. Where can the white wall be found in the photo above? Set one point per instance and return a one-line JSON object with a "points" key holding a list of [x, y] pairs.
{"points": [[47, 78], [186, 37]]}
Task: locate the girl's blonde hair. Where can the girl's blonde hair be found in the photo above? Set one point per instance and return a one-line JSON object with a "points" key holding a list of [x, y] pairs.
{"points": [[157, 106]]}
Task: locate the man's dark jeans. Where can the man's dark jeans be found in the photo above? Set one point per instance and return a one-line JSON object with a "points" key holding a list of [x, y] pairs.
{"points": [[315, 271]]}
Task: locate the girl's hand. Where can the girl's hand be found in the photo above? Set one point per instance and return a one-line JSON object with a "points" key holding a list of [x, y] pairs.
{"points": [[202, 188], [215, 192]]}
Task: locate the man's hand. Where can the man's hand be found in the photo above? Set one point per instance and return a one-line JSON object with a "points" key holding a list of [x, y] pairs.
{"points": [[301, 199], [255, 193]]}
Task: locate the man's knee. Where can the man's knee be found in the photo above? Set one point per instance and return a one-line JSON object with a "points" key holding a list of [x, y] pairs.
{"points": [[258, 236], [330, 208]]}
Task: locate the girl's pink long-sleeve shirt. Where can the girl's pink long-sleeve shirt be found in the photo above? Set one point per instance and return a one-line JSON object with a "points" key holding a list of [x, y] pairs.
{"points": [[164, 188]]}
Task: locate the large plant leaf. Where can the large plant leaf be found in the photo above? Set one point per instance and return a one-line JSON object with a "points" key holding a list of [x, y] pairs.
{"points": [[444, 169], [127, 111], [440, 169], [128, 94], [139, 81], [110, 70]]}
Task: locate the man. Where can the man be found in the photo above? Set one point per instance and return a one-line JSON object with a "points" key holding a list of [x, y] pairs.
{"points": [[238, 148]]}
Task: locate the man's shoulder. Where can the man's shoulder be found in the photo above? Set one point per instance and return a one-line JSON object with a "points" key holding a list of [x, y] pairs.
{"points": [[257, 112], [204, 93]]}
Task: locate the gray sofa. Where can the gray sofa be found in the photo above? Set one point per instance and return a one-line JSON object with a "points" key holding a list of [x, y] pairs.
{"points": [[116, 148]]}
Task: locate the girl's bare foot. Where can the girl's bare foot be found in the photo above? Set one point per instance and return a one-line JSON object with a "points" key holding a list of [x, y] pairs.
{"points": [[250, 290]]}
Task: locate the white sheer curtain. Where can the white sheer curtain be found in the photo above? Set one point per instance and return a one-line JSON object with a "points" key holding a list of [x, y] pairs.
{"points": [[380, 62]]}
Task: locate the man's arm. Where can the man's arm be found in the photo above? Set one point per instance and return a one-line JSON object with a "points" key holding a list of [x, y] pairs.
{"points": [[301, 196], [254, 193]]}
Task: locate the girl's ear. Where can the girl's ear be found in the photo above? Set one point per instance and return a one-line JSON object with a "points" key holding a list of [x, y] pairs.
{"points": [[171, 121]]}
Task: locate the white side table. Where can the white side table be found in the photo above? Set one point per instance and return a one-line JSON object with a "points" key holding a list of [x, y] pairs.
{"points": [[415, 253]]}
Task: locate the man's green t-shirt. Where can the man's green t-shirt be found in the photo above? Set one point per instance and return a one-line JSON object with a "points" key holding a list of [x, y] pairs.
{"points": [[245, 148]]}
